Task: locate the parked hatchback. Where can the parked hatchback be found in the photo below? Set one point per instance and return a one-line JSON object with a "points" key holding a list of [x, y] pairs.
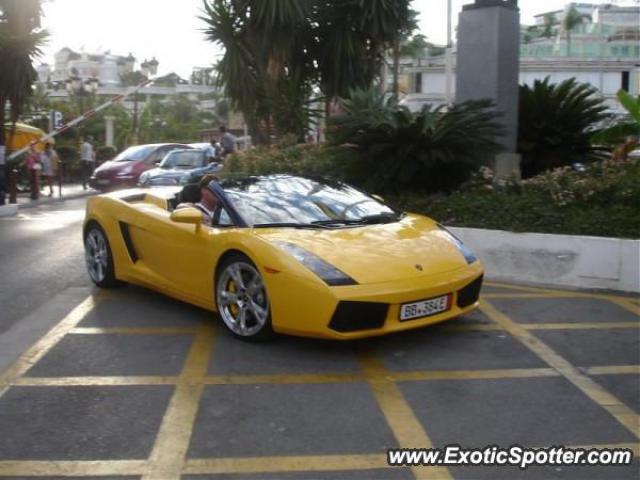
{"points": [[125, 169], [180, 167]]}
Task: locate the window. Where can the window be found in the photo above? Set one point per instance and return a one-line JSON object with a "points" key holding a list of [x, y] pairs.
{"points": [[625, 81]]}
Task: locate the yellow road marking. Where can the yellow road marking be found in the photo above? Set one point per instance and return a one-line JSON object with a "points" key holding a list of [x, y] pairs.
{"points": [[472, 374], [580, 326], [399, 415], [308, 378], [46, 343], [551, 293], [64, 468], [523, 295], [311, 463], [92, 381], [613, 370], [172, 442], [626, 416], [627, 304], [134, 331]]}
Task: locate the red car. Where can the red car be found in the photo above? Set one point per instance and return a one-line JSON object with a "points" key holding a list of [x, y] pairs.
{"points": [[124, 170]]}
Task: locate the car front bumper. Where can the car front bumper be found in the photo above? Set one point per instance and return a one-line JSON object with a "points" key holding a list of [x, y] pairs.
{"points": [[311, 309]]}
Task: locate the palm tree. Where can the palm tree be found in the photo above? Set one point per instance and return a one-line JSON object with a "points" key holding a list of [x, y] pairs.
{"points": [[556, 123], [550, 21], [20, 41], [572, 19]]}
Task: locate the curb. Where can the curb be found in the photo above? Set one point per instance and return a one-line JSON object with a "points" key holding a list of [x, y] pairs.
{"points": [[572, 261], [52, 200], [8, 209]]}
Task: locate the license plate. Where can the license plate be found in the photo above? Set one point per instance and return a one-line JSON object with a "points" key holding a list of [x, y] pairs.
{"points": [[425, 308]]}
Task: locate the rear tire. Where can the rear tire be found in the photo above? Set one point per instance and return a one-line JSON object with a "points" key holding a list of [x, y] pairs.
{"points": [[98, 257], [241, 299]]}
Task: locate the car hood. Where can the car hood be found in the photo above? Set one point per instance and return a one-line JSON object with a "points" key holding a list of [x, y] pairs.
{"points": [[411, 248], [180, 172], [113, 166]]}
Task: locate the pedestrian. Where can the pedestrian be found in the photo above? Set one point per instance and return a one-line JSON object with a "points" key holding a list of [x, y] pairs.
{"points": [[228, 142], [33, 166], [49, 160], [211, 151], [88, 160], [2, 174]]}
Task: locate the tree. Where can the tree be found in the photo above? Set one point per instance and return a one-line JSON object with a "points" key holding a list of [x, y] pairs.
{"points": [[572, 19], [383, 146], [20, 40], [281, 53], [549, 25], [555, 125], [625, 134]]}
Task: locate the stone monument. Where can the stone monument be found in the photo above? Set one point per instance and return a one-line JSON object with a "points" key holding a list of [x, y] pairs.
{"points": [[488, 66]]}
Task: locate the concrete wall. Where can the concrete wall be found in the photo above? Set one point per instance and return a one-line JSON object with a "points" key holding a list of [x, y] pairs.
{"points": [[558, 260]]}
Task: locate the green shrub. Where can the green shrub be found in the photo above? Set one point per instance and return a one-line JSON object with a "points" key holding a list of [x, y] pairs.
{"points": [[555, 125], [604, 200], [105, 153], [302, 159], [382, 146]]}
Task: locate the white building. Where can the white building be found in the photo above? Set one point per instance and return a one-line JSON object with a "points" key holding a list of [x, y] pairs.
{"points": [[109, 69], [604, 51]]}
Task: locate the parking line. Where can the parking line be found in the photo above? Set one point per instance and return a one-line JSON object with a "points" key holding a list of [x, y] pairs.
{"points": [[312, 463], [472, 374], [170, 448], [93, 381], [625, 415], [399, 415], [580, 326], [134, 331], [48, 341], [69, 468], [554, 293], [627, 304], [613, 370]]}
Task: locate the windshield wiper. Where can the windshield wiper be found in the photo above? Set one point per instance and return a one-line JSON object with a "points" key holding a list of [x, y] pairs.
{"points": [[287, 225]]}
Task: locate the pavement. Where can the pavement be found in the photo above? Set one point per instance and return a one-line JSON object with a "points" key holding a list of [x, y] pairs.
{"points": [[129, 384], [68, 192]]}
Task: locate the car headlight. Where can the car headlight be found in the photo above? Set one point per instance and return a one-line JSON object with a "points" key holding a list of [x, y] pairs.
{"points": [[468, 254], [327, 272], [125, 171]]}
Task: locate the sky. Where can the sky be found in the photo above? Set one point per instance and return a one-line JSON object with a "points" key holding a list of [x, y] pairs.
{"points": [[171, 31]]}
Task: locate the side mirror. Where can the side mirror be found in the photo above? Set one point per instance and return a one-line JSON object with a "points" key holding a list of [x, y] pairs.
{"points": [[378, 197], [189, 215]]}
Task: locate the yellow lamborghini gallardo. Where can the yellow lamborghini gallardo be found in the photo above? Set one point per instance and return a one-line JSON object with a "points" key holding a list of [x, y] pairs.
{"points": [[287, 254]]}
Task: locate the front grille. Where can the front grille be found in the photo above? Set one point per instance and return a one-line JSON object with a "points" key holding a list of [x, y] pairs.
{"points": [[354, 316], [469, 294]]}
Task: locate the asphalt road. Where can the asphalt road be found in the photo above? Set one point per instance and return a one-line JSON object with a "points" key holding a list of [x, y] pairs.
{"points": [[129, 384], [41, 264]]}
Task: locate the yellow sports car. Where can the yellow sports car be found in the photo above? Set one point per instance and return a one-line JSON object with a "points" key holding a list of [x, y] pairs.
{"points": [[287, 254]]}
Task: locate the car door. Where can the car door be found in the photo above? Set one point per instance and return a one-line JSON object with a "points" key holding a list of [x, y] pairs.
{"points": [[178, 259]]}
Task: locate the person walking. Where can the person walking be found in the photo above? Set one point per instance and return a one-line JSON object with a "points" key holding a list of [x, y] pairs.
{"points": [[49, 160], [33, 166], [228, 142], [88, 159], [2, 175]]}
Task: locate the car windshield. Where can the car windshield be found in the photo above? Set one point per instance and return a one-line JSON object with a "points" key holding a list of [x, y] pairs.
{"points": [[182, 159], [284, 200], [132, 154]]}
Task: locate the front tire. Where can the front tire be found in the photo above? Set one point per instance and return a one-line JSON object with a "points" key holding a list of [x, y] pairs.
{"points": [[242, 301], [98, 257]]}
